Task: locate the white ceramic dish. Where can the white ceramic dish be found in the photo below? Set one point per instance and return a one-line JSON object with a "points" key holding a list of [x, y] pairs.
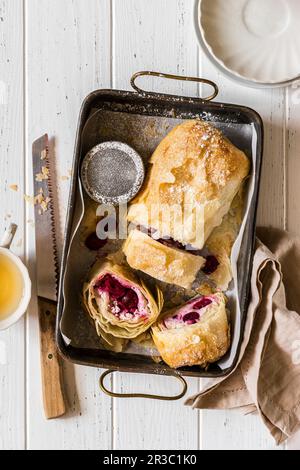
{"points": [[253, 41], [25, 299]]}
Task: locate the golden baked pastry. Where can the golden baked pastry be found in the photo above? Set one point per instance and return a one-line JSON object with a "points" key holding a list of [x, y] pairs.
{"points": [[220, 243], [195, 174], [120, 305], [160, 261], [196, 333], [180, 267]]}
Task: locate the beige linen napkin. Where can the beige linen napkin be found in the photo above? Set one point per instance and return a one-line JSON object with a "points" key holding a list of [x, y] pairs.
{"points": [[267, 378]]}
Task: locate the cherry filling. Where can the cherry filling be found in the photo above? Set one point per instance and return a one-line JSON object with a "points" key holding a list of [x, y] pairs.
{"points": [[211, 264], [191, 318], [204, 302], [94, 243], [125, 299], [171, 243], [189, 314]]}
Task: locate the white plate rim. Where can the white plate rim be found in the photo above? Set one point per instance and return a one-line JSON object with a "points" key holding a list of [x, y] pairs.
{"points": [[231, 74]]}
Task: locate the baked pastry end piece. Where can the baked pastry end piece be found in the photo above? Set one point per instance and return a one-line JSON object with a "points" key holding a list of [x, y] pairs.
{"points": [[220, 244], [197, 171], [120, 304], [161, 262], [194, 334]]}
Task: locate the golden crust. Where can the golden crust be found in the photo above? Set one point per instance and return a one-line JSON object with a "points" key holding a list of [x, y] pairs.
{"points": [[199, 344], [161, 262], [194, 169], [141, 251], [221, 241]]}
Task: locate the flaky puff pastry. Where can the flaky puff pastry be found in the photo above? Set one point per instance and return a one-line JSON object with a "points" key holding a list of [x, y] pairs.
{"points": [[221, 241], [194, 169], [182, 342], [119, 303], [161, 262]]}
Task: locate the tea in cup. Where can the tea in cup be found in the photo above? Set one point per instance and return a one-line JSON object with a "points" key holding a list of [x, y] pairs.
{"points": [[15, 284]]}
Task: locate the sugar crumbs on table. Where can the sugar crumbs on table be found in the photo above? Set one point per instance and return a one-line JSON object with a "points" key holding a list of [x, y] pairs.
{"points": [[40, 200]]}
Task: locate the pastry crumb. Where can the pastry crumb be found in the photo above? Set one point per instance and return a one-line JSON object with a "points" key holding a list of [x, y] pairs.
{"points": [[42, 201], [44, 175], [44, 204], [39, 200], [29, 199], [44, 154], [14, 187]]}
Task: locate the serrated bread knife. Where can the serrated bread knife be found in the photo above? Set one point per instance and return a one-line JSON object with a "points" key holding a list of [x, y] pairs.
{"points": [[47, 280]]}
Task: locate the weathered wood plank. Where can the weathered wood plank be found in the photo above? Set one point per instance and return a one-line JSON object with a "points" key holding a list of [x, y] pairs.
{"points": [[12, 342], [68, 56]]}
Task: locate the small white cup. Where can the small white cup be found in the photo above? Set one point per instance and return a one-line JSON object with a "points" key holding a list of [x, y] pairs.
{"points": [[24, 302]]}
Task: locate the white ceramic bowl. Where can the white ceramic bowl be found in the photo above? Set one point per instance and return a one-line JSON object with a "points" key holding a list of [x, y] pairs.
{"points": [[24, 302], [253, 41]]}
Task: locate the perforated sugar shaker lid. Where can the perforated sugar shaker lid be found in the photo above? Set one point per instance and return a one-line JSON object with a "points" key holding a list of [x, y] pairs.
{"points": [[112, 173]]}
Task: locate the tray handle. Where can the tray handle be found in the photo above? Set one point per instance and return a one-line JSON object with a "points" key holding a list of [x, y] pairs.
{"points": [[172, 77], [142, 395]]}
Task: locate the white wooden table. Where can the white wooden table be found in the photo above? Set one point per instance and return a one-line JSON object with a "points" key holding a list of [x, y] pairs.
{"points": [[52, 54]]}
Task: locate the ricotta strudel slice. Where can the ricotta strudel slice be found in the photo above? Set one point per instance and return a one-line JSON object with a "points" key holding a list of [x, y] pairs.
{"points": [[120, 304], [196, 333]]}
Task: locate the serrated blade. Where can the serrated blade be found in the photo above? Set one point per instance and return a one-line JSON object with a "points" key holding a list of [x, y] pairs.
{"points": [[46, 252]]}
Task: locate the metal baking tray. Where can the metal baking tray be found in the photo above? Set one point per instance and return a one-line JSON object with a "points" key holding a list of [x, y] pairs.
{"points": [[160, 105]]}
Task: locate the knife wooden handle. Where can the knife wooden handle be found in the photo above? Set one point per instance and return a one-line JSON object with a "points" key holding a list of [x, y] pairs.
{"points": [[53, 397]]}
